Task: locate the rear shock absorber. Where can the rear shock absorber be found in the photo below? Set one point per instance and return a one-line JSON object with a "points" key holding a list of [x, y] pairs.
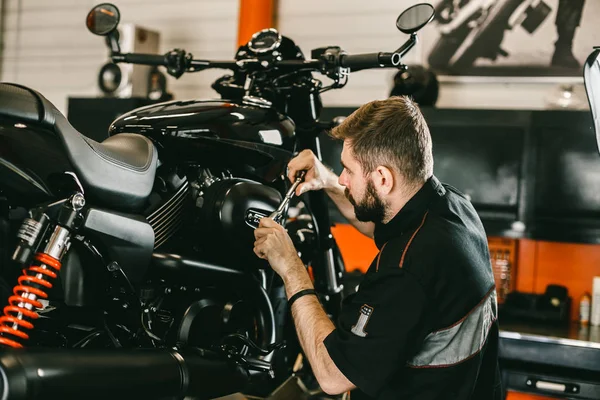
{"points": [[37, 278]]}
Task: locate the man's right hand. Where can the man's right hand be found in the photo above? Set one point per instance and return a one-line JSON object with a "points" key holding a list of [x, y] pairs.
{"points": [[318, 176]]}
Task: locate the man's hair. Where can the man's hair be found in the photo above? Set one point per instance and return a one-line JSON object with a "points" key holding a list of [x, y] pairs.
{"points": [[392, 133]]}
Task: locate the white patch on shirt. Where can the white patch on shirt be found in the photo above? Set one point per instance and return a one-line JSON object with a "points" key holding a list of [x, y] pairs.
{"points": [[363, 319]]}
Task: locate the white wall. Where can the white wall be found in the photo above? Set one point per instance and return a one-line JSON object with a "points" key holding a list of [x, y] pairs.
{"points": [[47, 46], [369, 26]]}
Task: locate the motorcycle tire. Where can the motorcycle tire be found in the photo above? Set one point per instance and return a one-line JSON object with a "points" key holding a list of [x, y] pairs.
{"points": [[285, 358], [445, 48], [490, 35]]}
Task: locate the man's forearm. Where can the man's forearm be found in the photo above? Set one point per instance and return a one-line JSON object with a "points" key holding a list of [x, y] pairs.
{"points": [[313, 326], [336, 192]]}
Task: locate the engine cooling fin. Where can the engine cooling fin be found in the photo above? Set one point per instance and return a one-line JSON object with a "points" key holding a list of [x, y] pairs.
{"points": [[168, 218]]}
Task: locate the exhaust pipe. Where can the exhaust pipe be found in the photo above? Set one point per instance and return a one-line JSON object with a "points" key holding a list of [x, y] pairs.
{"points": [[116, 374]]}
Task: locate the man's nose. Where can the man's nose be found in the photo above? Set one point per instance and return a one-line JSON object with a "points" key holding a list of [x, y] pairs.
{"points": [[342, 178]]}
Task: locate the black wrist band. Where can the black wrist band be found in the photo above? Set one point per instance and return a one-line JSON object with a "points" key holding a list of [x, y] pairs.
{"points": [[300, 294]]}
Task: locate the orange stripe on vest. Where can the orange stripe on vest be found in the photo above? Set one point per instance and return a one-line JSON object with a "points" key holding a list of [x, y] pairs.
{"points": [[411, 239]]}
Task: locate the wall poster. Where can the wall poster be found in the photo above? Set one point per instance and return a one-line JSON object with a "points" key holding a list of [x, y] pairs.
{"points": [[511, 38]]}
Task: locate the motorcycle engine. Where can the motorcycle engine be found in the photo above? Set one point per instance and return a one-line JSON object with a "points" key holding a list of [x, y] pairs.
{"points": [[302, 229], [226, 207]]}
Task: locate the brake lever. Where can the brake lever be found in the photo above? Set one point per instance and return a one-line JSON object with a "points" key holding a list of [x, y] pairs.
{"points": [[278, 214]]}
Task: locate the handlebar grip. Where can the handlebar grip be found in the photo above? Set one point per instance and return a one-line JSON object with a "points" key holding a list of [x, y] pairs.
{"points": [[360, 61], [145, 59], [370, 60]]}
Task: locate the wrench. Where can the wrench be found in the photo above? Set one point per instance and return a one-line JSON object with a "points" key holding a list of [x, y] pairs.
{"points": [[278, 214]]}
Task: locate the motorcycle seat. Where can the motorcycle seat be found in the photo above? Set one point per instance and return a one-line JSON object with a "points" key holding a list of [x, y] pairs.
{"points": [[118, 173]]}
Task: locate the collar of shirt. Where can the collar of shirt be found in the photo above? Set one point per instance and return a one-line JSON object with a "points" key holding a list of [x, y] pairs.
{"points": [[412, 210]]}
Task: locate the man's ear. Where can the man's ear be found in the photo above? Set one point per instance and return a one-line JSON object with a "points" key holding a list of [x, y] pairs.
{"points": [[383, 179]]}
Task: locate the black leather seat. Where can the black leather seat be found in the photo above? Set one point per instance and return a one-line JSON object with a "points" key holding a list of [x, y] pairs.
{"points": [[591, 74], [118, 172]]}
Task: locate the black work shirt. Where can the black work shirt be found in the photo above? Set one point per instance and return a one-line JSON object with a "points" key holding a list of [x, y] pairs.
{"points": [[423, 323]]}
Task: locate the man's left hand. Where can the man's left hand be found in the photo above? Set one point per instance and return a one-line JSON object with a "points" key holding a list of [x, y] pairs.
{"points": [[275, 245]]}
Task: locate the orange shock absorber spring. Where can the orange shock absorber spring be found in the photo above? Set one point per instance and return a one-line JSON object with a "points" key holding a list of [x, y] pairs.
{"points": [[19, 314]]}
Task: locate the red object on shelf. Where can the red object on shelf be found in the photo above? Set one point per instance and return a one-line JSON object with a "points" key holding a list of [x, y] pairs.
{"points": [[525, 396]]}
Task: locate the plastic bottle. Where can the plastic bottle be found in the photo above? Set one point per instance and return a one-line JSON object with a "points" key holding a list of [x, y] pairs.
{"points": [[585, 308]]}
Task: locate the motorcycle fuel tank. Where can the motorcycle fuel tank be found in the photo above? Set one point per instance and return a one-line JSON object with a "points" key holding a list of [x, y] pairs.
{"points": [[215, 133], [30, 158]]}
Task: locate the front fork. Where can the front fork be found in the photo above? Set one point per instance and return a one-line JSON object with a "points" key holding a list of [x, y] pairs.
{"points": [[43, 266], [328, 272]]}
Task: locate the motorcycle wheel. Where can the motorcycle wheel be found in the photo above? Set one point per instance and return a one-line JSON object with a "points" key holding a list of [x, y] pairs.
{"points": [[445, 48], [284, 359], [490, 36]]}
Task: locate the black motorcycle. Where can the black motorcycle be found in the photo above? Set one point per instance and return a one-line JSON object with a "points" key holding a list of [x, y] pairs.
{"points": [[133, 257]]}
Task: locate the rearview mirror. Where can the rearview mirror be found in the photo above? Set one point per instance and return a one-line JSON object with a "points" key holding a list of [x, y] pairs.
{"points": [[414, 18], [103, 19]]}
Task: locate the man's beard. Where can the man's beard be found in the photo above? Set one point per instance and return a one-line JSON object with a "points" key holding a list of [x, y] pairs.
{"points": [[370, 208]]}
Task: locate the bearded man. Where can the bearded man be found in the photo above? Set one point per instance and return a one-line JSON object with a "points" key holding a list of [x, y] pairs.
{"points": [[423, 323]]}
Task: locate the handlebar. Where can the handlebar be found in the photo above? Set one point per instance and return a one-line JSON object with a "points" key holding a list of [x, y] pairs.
{"points": [[145, 59], [301, 64], [179, 61], [358, 61], [354, 62], [198, 65], [369, 60]]}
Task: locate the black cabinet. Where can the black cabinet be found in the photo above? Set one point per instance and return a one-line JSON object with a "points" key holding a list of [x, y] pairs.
{"points": [[530, 174], [567, 178], [93, 115], [483, 155], [562, 362]]}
